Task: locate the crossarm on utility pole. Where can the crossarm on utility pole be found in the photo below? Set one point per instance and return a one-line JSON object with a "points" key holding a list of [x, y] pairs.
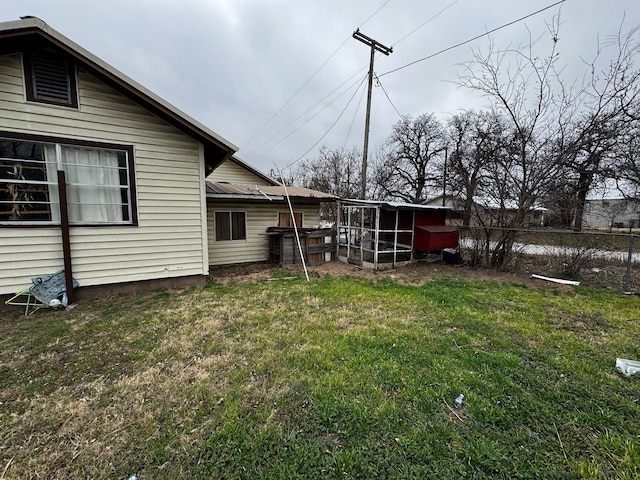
{"points": [[375, 47]]}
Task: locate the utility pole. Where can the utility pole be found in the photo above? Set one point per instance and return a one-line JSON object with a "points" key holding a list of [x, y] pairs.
{"points": [[375, 46]]}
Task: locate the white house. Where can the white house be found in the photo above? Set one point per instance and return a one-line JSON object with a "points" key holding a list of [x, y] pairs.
{"points": [[98, 176]]}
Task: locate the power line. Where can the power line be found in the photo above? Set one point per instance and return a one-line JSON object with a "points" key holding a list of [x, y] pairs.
{"points": [[273, 145], [259, 147], [426, 22], [328, 130], [296, 93], [378, 80], [472, 39], [353, 120], [313, 116], [375, 13], [309, 79], [387, 95]]}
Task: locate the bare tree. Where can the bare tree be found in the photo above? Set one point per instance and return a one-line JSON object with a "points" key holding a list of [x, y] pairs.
{"points": [[592, 142], [476, 140], [405, 168], [587, 161], [333, 171], [628, 158], [521, 87]]}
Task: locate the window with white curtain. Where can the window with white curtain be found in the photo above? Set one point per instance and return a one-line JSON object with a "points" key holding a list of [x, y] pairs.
{"points": [[97, 179]]}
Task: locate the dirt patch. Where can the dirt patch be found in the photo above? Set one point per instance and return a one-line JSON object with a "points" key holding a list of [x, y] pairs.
{"points": [[412, 274]]}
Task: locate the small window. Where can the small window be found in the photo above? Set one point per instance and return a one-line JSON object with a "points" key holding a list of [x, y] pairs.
{"points": [[229, 226], [50, 79], [284, 219]]}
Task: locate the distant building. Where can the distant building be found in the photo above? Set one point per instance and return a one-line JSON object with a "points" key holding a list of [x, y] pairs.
{"points": [[611, 213], [487, 209]]}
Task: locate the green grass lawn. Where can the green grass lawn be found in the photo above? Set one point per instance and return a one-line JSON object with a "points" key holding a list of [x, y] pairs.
{"points": [[337, 378]]}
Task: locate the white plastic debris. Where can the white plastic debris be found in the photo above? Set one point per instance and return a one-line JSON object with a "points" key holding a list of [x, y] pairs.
{"points": [[556, 280], [627, 367], [459, 401]]}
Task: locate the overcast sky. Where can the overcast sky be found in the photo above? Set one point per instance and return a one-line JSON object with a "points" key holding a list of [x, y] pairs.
{"points": [[276, 77]]}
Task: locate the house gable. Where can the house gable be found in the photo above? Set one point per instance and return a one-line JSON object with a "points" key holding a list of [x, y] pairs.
{"points": [[234, 170]]}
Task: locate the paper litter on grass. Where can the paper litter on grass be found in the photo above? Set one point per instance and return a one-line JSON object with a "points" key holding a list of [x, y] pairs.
{"points": [[627, 367]]}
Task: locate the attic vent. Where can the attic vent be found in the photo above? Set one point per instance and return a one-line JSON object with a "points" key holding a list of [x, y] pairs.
{"points": [[52, 80]]}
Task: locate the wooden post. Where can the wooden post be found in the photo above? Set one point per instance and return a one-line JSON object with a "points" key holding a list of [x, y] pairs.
{"points": [[66, 239], [444, 178], [627, 277], [375, 46]]}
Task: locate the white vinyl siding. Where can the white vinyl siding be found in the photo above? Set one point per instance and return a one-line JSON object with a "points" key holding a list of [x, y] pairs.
{"points": [[231, 172], [170, 238], [259, 218]]}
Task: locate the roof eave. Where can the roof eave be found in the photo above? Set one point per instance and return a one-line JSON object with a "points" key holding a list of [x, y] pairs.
{"points": [[237, 196], [393, 205]]}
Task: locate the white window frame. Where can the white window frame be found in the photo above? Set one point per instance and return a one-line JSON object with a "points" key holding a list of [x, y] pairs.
{"points": [[78, 203]]}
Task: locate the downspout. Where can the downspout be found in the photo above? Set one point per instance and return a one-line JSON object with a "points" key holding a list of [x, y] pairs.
{"points": [[204, 210]]}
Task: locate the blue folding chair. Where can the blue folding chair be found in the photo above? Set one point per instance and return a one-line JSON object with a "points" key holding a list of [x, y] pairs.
{"points": [[47, 291]]}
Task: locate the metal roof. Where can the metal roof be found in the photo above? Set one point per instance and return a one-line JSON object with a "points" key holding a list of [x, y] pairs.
{"points": [[266, 192], [393, 205], [487, 203]]}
